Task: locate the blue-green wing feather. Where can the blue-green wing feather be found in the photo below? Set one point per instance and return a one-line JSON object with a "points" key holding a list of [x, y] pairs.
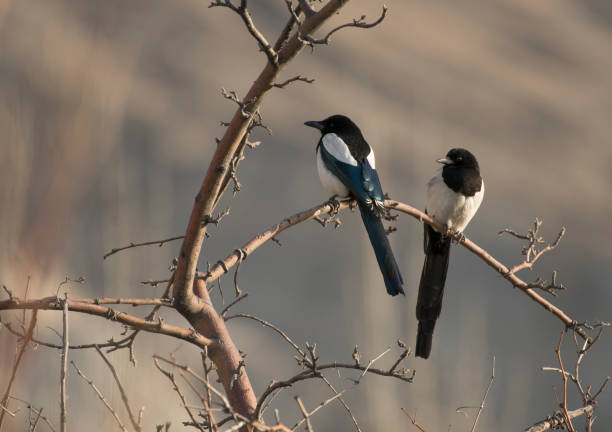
{"points": [[363, 182]]}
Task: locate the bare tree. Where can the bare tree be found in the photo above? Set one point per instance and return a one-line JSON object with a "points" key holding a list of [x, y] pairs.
{"points": [[187, 291]]}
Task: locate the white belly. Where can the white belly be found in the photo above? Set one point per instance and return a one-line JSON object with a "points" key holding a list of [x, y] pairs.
{"points": [[330, 182], [449, 207]]}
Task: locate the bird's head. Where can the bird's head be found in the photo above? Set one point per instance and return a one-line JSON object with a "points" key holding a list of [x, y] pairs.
{"points": [[459, 157], [337, 124]]}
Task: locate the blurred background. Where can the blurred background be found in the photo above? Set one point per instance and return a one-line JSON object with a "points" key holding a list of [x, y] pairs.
{"points": [[108, 115]]}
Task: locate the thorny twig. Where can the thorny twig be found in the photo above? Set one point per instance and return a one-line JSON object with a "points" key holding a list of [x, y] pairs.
{"points": [[532, 254]]}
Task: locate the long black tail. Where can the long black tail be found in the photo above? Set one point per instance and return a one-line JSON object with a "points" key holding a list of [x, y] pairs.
{"points": [[431, 288], [382, 250]]}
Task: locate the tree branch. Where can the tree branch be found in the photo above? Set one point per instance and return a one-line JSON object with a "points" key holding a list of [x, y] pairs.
{"points": [[211, 330], [51, 303], [557, 423], [244, 14], [64, 369], [198, 309], [359, 23], [295, 78], [260, 239], [160, 243]]}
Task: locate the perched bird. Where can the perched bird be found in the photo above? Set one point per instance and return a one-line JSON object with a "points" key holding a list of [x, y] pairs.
{"points": [[346, 166], [454, 194]]}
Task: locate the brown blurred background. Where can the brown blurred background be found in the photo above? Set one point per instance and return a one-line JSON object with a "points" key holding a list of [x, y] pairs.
{"points": [[108, 114]]}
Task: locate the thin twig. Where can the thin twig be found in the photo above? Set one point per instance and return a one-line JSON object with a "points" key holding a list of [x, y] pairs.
{"points": [[484, 398], [244, 14], [135, 422], [568, 420], [9, 412], [64, 369], [272, 326], [160, 243], [304, 413], [100, 396], [36, 420], [413, 420], [26, 341], [402, 356], [294, 79], [8, 291], [359, 23], [321, 405], [211, 419], [176, 388], [371, 362], [35, 411], [236, 300], [344, 404], [403, 375]]}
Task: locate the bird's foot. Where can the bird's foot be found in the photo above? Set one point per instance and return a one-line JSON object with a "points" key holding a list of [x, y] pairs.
{"points": [[335, 205], [454, 234]]}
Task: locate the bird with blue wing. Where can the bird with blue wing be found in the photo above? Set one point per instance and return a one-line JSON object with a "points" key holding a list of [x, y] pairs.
{"points": [[454, 194], [346, 166]]}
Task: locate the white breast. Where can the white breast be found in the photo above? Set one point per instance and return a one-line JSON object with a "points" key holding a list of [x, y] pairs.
{"points": [[330, 182], [450, 207]]}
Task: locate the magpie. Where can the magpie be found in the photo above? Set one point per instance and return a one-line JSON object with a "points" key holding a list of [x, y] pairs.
{"points": [[454, 194], [346, 166]]}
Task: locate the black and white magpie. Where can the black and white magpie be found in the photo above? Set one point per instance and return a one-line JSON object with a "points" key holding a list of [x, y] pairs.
{"points": [[346, 166], [454, 194]]}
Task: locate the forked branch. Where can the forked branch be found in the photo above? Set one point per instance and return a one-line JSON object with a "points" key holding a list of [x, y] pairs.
{"points": [[358, 23]]}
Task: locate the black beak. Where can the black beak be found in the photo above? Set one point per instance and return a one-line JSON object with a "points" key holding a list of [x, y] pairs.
{"points": [[315, 124]]}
